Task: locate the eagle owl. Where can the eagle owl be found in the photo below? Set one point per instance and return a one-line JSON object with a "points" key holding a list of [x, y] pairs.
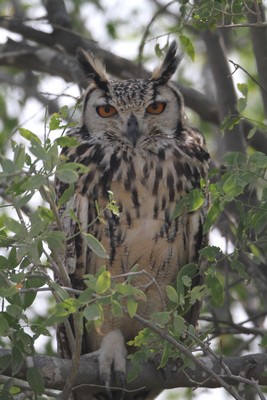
{"points": [[136, 142]]}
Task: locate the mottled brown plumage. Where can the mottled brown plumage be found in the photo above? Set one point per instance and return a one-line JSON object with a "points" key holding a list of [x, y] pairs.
{"points": [[136, 141]]}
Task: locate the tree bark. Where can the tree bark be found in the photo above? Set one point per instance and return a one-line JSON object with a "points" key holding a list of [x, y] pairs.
{"points": [[259, 42], [55, 371]]}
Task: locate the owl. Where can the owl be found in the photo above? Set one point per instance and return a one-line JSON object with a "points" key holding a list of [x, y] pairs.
{"points": [[136, 142]]}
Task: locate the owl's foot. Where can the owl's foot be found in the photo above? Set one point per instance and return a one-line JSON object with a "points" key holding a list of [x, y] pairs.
{"points": [[111, 358]]}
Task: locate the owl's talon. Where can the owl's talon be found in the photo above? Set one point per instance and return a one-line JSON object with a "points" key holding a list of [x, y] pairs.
{"points": [[106, 383], [112, 356], [120, 378]]}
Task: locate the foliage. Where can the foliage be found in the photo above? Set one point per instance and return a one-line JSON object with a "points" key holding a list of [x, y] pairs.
{"points": [[32, 240]]}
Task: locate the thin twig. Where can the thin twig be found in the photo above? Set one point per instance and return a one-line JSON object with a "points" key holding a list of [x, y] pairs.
{"points": [[76, 356], [243, 25], [143, 272], [188, 354], [25, 386], [143, 40], [237, 66]]}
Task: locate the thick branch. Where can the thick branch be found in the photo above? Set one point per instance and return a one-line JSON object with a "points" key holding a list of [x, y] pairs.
{"points": [[259, 41], [70, 42], [55, 371], [57, 13], [51, 60], [226, 97]]}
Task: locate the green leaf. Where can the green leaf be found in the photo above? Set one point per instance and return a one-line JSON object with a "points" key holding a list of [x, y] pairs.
{"points": [[132, 305], [46, 214], [241, 104], [240, 268], [86, 296], [112, 30], [92, 312], [229, 122], [235, 158], [258, 159], [188, 46], [69, 306], [252, 132], [196, 199], [55, 121], [67, 175], [8, 291], [8, 167], [4, 326], [243, 88], [124, 289], [5, 361], [12, 258], [178, 325], [116, 309], [161, 318], [67, 194], [14, 311], [212, 215], [64, 111], [62, 293], [180, 208], [16, 227], [103, 282], [20, 202], [24, 342], [197, 294], [166, 354], [37, 149], [216, 289], [51, 158], [17, 360], [158, 50], [19, 157], [172, 294], [39, 330], [55, 240], [33, 182], [67, 141], [233, 186], [211, 253], [187, 281], [28, 135], [264, 341], [95, 246], [189, 270], [35, 380]]}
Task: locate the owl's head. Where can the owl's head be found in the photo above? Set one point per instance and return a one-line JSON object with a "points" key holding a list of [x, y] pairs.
{"points": [[132, 111]]}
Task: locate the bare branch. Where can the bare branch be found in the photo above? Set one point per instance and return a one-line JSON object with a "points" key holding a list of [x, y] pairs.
{"points": [[59, 63], [57, 13], [55, 371], [226, 97], [259, 41]]}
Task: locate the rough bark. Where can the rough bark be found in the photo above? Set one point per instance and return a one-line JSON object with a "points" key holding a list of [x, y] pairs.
{"points": [[55, 372], [232, 140], [259, 42]]}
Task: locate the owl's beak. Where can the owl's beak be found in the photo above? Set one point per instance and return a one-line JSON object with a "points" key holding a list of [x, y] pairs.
{"points": [[132, 129]]}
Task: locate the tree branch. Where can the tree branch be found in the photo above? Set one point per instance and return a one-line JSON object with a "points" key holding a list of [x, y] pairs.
{"points": [[226, 98], [53, 61], [55, 372], [259, 42], [57, 13]]}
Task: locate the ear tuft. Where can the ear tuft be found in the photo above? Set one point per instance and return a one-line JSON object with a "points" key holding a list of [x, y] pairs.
{"points": [[168, 66], [92, 67]]}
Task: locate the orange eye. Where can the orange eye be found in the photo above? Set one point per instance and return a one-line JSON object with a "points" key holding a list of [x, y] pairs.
{"points": [[156, 108], [106, 111]]}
